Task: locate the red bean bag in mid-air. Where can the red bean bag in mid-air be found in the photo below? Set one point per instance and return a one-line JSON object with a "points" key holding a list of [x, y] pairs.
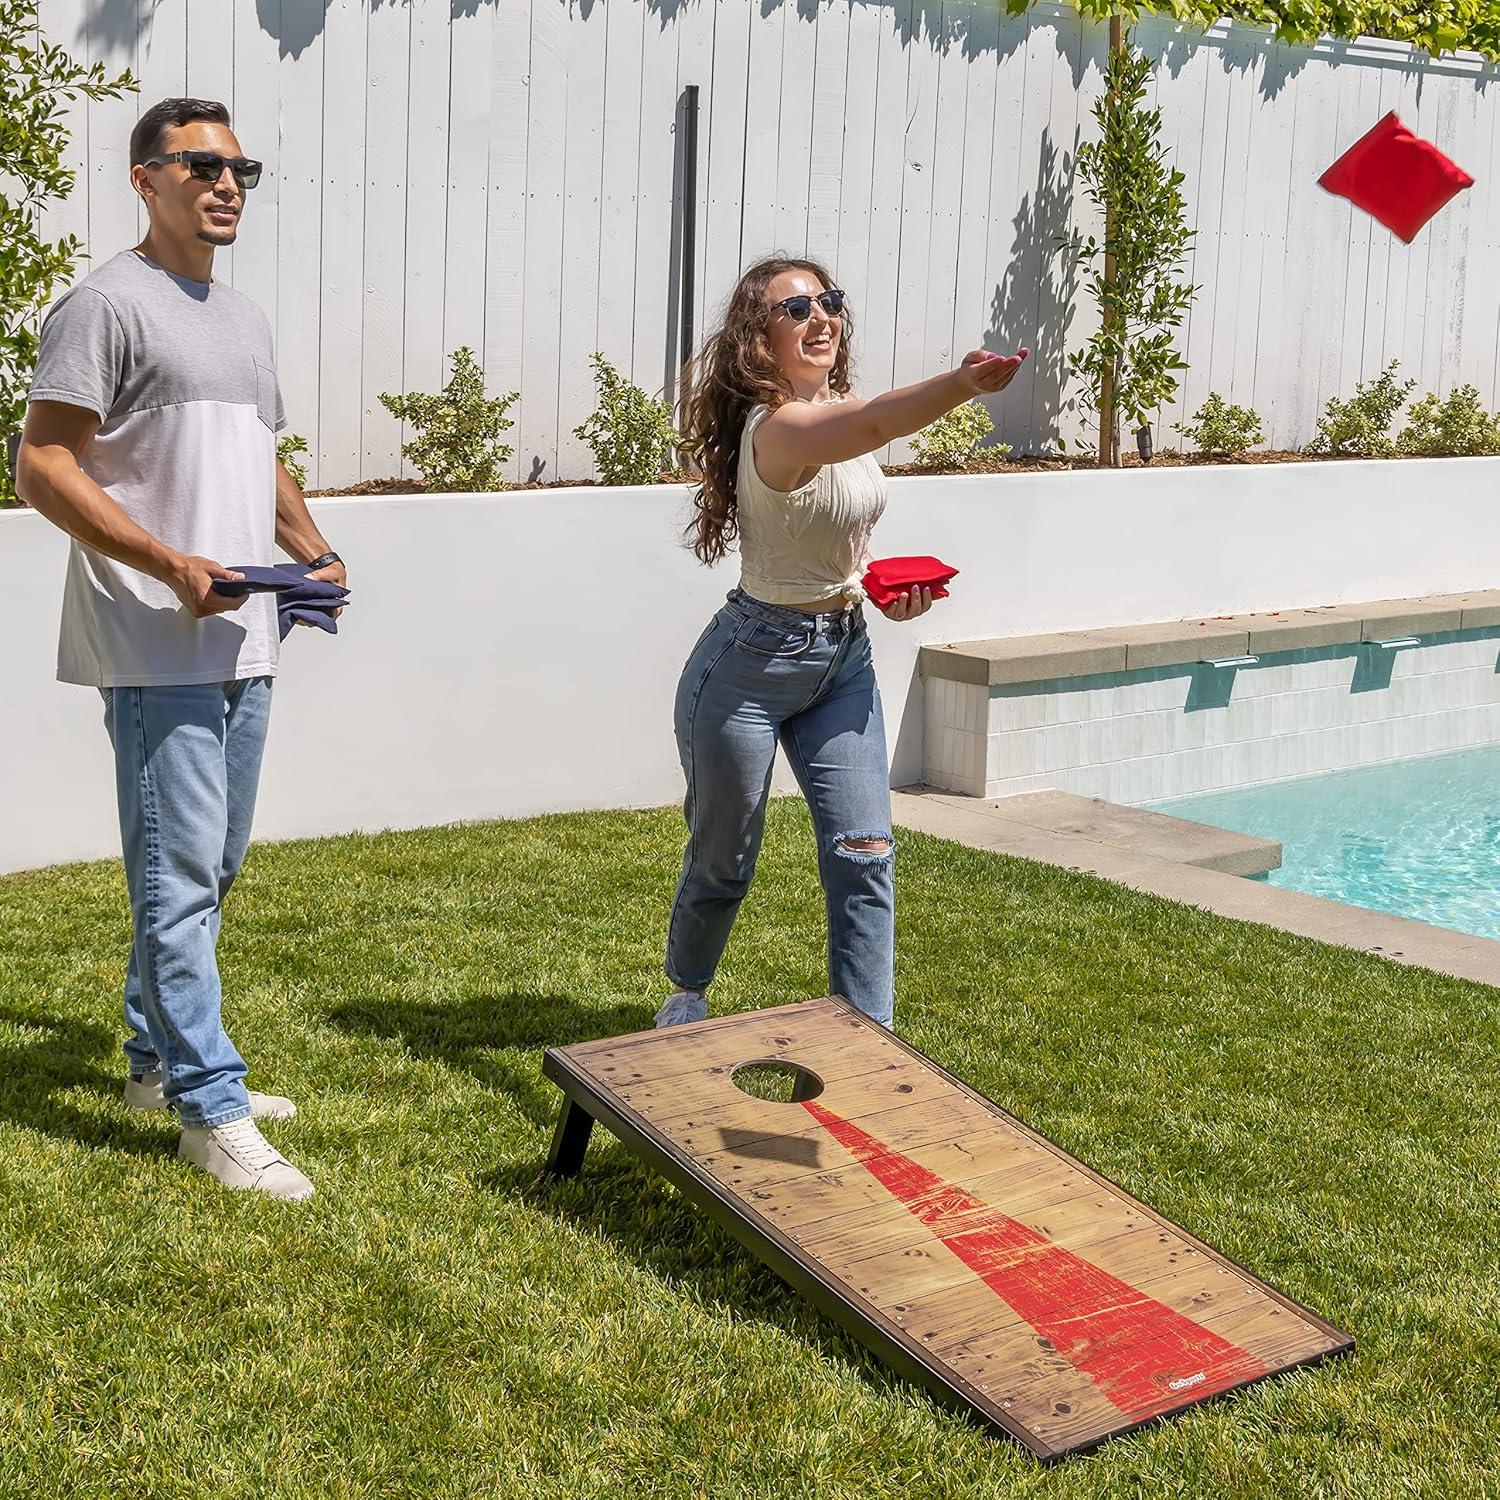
{"points": [[1396, 176]]}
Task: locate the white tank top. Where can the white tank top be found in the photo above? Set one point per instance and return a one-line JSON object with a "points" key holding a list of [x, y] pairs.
{"points": [[809, 545]]}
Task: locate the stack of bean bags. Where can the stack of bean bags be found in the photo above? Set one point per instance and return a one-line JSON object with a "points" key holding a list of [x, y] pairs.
{"points": [[300, 599]]}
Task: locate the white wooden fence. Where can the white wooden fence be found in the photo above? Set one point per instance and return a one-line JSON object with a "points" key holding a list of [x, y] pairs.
{"points": [[505, 174]]}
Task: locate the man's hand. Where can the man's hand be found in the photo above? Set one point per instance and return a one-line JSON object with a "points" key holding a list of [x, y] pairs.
{"points": [[333, 573], [191, 579]]}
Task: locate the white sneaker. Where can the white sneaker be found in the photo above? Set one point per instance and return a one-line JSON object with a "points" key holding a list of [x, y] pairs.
{"points": [[145, 1093], [681, 1008], [239, 1156]]}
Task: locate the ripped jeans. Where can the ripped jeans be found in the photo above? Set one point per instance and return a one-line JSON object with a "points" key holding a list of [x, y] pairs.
{"points": [[762, 675]]}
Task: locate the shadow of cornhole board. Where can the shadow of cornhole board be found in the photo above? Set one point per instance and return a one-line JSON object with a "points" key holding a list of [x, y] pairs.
{"points": [[963, 1249]]}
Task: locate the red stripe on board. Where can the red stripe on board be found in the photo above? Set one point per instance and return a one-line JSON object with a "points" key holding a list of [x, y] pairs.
{"points": [[1144, 1356]]}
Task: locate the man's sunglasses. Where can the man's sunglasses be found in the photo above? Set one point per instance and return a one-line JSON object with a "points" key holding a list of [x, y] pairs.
{"points": [[208, 166], [799, 308]]}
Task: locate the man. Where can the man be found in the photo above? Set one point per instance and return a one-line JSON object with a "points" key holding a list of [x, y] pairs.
{"points": [[150, 439]]}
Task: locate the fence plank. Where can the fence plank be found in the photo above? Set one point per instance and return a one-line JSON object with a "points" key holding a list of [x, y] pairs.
{"points": [[505, 253], [913, 267], [425, 364], [830, 94], [342, 246], [300, 256], [733, 114], [385, 199], [545, 268], [578, 323], [619, 171], [470, 134]]}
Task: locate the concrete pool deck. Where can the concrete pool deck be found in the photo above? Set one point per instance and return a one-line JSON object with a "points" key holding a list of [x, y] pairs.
{"points": [[1129, 846]]}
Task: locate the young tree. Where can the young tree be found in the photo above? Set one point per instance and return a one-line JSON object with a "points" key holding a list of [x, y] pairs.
{"points": [[1130, 365], [37, 81]]}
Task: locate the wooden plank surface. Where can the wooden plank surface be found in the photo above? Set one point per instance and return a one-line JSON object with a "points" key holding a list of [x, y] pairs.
{"points": [[1047, 1298]]}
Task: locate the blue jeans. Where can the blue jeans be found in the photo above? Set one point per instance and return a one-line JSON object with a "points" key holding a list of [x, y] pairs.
{"points": [[187, 764], [762, 675]]}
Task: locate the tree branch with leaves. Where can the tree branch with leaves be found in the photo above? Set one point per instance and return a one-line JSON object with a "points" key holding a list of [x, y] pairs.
{"points": [[38, 80], [1436, 26]]}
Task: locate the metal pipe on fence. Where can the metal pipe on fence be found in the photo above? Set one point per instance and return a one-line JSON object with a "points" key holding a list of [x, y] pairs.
{"points": [[689, 284]]}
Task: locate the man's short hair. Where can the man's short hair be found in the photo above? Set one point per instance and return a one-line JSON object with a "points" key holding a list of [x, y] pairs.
{"points": [[146, 138]]}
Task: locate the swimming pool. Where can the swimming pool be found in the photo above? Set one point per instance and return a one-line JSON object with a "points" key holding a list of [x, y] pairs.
{"points": [[1417, 837]]}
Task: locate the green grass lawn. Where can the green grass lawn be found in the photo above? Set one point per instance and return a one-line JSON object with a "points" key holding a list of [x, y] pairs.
{"points": [[436, 1321]]}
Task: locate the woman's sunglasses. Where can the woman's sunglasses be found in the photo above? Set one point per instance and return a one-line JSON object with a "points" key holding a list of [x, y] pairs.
{"points": [[208, 166], [799, 308]]}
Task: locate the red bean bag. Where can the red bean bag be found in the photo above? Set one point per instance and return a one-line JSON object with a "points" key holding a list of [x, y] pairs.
{"points": [[1396, 176], [887, 578]]}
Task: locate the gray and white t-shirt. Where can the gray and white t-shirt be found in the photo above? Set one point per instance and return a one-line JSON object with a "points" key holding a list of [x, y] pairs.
{"points": [[183, 377]]}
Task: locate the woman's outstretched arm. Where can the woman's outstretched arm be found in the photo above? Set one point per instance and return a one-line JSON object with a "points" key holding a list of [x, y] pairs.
{"points": [[805, 435]]}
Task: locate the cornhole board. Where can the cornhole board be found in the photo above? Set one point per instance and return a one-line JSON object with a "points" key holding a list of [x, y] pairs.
{"points": [[963, 1249]]}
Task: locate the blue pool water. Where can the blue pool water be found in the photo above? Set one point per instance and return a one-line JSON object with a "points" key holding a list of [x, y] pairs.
{"points": [[1417, 837]]}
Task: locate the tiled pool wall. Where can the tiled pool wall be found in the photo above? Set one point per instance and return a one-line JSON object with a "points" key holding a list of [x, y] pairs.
{"points": [[1175, 731]]}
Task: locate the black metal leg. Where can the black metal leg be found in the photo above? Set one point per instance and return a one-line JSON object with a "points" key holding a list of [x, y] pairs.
{"points": [[570, 1140]]}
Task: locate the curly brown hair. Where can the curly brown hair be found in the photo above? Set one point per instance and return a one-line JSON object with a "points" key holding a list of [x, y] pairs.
{"points": [[734, 372]]}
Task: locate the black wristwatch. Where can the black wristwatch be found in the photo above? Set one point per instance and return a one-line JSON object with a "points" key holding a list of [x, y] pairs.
{"points": [[327, 560]]}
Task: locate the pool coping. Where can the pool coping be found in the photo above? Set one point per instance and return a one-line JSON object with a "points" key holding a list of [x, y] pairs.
{"points": [[1009, 660], [1142, 830], [987, 824]]}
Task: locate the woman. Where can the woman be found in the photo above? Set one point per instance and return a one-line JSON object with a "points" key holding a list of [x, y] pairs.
{"points": [[786, 457]]}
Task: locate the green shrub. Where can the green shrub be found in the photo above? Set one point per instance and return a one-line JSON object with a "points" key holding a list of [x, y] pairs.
{"points": [[37, 82], [457, 446], [286, 450], [1459, 425], [629, 434], [1220, 428], [1362, 424], [951, 441]]}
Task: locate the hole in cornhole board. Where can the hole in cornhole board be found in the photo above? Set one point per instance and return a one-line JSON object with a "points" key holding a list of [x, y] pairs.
{"points": [[964, 1249], [777, 1082]]}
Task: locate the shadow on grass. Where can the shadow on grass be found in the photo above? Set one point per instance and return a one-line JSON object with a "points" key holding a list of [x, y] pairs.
{"points": [[39, 1075], [494, 1038], [620, 1200]]}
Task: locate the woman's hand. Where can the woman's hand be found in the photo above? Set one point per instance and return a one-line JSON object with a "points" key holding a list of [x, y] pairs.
{"points": [[985, 373], [909, 605]]}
